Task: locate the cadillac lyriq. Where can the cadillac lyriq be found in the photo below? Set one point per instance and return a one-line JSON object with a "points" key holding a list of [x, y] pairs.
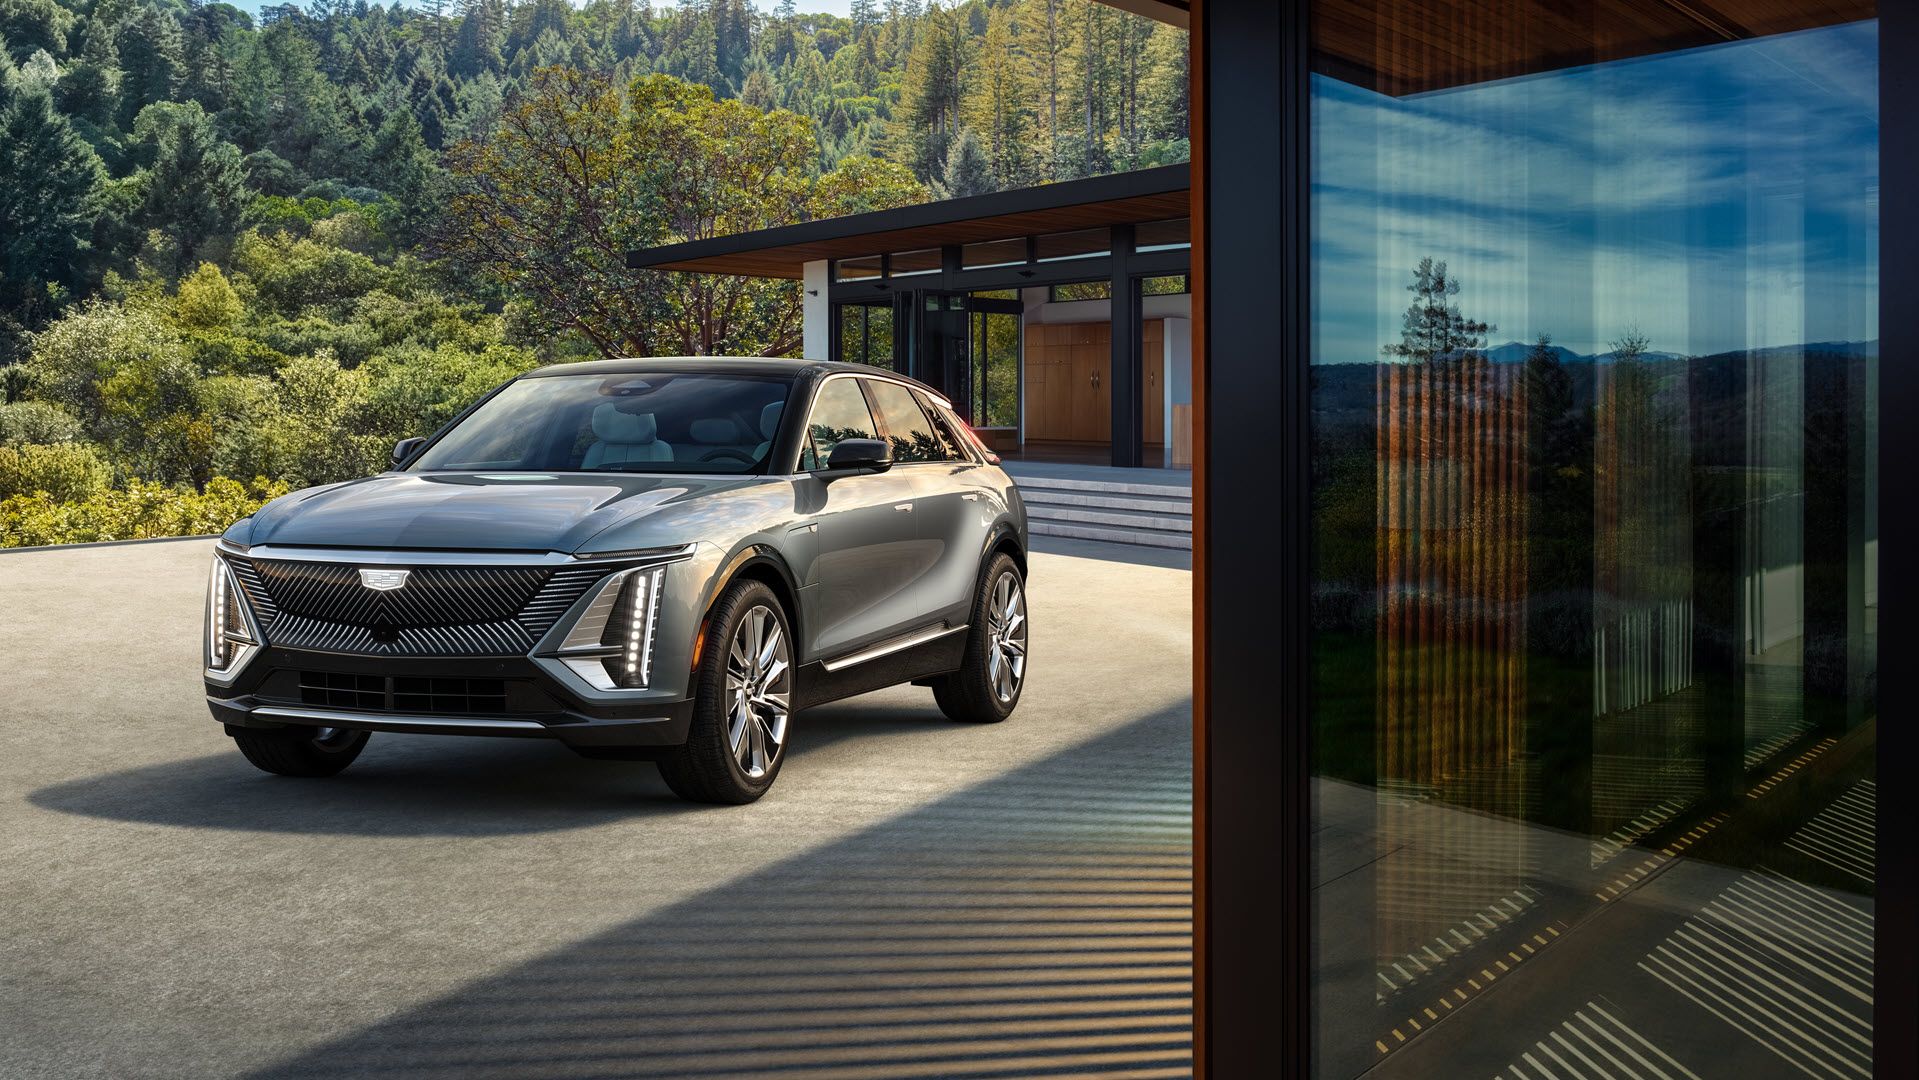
{"points": [[661, 560]]}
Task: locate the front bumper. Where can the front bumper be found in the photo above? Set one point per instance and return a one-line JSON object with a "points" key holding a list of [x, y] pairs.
{"points": [[278, 689]]}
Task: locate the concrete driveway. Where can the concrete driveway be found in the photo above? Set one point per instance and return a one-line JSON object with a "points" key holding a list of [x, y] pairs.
{"points": [[915, 897]]}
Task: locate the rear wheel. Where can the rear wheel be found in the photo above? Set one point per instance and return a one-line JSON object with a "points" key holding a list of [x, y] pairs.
{"points": [[742, 703], [987, 686], [299, 751]]}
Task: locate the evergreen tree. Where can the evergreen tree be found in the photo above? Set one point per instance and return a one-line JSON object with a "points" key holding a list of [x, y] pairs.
{"points": [[195, 191], [90, 87], [50, 187], [1433, 330], [404, 168], [998, 107], [1043, 22], [476, 48], [967, 172], [933, 93], [148, 42]]}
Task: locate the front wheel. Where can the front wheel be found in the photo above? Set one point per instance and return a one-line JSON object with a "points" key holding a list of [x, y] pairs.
{"points": [[993, 672], [299, 751], [743, 699]]}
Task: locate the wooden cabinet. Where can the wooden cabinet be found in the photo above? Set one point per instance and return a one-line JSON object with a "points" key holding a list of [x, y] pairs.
{"points": [[1069, 381]]}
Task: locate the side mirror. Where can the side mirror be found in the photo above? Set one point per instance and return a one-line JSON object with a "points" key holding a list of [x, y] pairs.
{"points": [[405, 449], [855, 455]]}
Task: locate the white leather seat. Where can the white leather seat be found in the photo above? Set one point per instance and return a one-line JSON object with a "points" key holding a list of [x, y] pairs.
{"points": [[623, 437], [769, 423]]}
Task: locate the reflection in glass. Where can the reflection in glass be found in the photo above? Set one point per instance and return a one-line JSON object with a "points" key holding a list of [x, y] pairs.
{"points": [[1594, 430]]}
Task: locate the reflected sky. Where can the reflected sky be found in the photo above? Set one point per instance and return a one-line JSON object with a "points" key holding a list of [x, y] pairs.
{"points": [[1716, 199]]}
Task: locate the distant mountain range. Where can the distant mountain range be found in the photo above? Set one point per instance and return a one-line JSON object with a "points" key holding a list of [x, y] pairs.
{"points": [[1516, 352]]}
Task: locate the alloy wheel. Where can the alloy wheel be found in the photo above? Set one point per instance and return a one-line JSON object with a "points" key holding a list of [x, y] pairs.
{"points": [[759, 681], [1006, 638]]}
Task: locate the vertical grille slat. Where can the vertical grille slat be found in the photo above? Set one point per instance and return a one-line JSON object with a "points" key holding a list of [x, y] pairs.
{"points": [[442, 610]]}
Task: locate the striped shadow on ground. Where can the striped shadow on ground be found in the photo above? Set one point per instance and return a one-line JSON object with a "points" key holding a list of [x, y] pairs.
{"points": [[1841, 835], [1785, 964], [1037, 924], [1596, 1045]]}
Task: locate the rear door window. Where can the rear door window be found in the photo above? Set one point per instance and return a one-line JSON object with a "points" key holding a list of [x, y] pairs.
{"points": [[910, 430]]}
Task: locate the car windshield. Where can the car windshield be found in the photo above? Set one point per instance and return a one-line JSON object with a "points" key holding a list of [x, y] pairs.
{"points": [[656, 422]]}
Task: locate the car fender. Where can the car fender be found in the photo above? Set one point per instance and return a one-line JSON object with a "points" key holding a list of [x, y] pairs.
{"points": [[749, 555]]}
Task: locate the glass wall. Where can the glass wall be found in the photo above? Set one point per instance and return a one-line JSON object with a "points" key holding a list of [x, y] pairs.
{"points": [[1595, 411], [866, 333]]}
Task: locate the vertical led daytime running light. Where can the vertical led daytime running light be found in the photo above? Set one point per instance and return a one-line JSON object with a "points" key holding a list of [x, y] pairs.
{"points": [[642, 613], [220, 646]]}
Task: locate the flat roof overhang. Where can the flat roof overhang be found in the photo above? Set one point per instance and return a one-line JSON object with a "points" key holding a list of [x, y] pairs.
{"points": [[1406, 47], [1093, 203]]}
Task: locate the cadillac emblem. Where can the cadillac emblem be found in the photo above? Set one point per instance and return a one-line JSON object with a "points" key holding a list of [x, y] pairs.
{"points": [[383, 580]]}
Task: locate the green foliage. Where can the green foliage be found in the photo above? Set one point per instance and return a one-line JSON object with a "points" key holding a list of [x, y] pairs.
{"points": [[35, 422], [290, 274], [72, 360], [206, 301], [138, 511], [62, 471]]}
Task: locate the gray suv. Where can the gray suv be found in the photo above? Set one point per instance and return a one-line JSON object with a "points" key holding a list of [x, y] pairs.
{"points": [[644, 559]]}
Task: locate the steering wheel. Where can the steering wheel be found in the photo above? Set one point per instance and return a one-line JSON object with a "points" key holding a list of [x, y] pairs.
{"points": [[728, 451]]}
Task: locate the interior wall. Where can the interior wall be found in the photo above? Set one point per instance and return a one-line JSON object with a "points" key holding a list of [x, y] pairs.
{"points": [[1174, 309]]}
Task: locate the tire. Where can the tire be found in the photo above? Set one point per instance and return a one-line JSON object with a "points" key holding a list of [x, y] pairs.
{"points": [[743, 702], [986, 688], [299, 751]]}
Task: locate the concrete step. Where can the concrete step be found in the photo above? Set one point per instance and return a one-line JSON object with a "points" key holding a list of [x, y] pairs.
{"points": [[1046, 497], [1103, 487], [1115, 511], [1114, 519], [1135, 537]]}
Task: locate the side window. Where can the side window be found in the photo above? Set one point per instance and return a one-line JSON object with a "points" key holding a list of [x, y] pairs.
{"points": [[947, 426], [907, 425], [839, 413]]}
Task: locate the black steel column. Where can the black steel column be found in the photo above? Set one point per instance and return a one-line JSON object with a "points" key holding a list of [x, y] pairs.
{"points": [[1128, 365], [1252, 487], [1895, 999], [1720, 399]]}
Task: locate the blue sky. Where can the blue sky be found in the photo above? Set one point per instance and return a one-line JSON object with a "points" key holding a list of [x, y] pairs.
{"points": [[1717, 198]]}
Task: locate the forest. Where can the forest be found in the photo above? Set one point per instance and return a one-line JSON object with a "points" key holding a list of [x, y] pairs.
{"points": [[241, 255]]}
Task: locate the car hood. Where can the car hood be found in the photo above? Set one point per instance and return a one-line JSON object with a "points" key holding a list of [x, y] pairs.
{"points": [[473, 511]]}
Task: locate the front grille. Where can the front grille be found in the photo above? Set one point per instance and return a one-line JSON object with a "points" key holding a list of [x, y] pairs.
{"points": [[400, 693], [432, 596], [441, 610], [339, 690]]}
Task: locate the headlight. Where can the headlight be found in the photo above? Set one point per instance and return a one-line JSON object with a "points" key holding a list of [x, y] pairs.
{"points": [[231, 636], [611, 646]]}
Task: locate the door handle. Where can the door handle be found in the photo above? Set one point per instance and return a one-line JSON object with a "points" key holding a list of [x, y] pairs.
{"points": [[907, 507], [970, 496]]}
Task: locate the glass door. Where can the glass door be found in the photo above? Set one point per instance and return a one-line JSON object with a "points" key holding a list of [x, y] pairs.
{"points": [[995, 343]]}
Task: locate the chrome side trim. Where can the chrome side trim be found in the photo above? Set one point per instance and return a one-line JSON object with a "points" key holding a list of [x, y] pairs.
{"points": [[888, 648], [325, 717]]}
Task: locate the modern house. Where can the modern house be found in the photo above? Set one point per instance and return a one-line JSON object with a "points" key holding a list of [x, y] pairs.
{"points": [[1530, 361], [1005, 302]]}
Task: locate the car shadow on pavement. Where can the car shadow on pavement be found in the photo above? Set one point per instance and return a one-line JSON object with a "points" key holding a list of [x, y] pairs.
{"points": [[428, 785], [1037, 923]]}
